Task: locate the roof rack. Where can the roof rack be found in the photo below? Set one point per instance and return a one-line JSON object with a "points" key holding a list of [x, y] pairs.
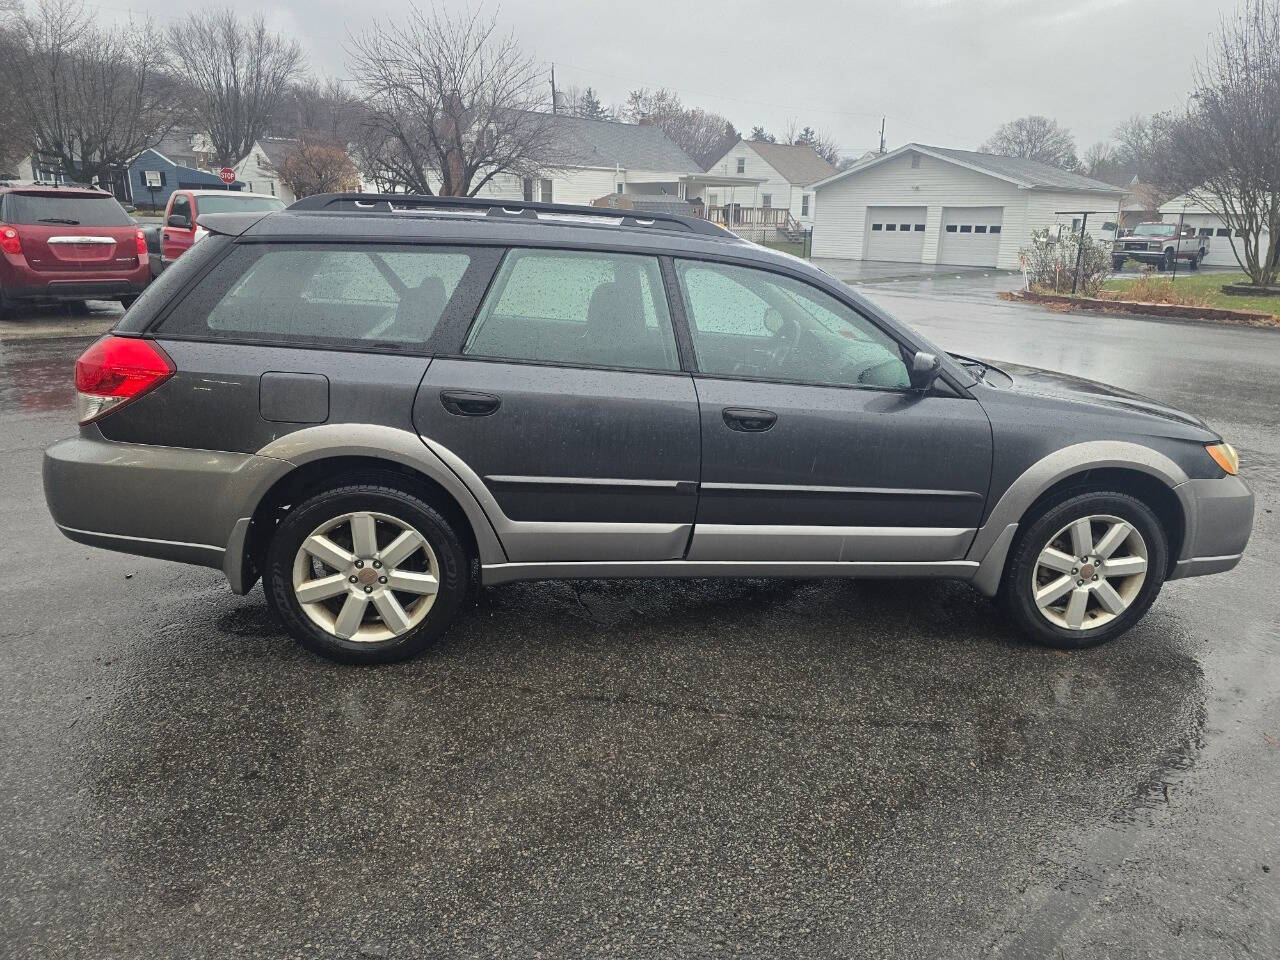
{"points": [[407, 202]]}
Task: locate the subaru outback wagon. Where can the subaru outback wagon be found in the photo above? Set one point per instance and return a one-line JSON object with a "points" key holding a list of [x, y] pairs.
{"points": [[372, 403]]}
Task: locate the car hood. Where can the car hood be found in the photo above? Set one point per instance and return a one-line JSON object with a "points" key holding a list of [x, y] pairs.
{"points": [[1049, 383]]}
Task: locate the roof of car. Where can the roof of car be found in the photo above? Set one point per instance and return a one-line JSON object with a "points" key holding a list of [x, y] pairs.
{"points": [[54, 190], [228, 193]]}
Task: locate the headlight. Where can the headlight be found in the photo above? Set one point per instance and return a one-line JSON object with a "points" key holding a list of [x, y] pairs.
{"points": [[1225, 456]]}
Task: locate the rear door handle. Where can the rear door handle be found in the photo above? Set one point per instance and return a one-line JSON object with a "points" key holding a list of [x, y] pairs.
{"points": [[470, 403], [747, 420]]}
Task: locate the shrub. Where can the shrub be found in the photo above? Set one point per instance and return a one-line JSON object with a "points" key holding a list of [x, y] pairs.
{"points": [[1050, 262]]}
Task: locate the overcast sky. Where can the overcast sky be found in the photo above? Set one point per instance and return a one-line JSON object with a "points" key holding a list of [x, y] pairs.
{"points": [[944, 72]]}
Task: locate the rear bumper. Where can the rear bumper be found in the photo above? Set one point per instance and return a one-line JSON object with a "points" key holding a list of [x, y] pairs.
{"points": [[166, 502], [20, 282], [1219, 520]]}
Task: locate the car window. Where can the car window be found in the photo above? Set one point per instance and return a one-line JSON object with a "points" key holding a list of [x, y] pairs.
{"points": [[86, 211], [386, 294], [231, 203], [751, 323], [589, 309], [181, 207]]}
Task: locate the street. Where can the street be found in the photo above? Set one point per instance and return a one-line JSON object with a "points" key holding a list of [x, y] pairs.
{"points": [[763, 768]]}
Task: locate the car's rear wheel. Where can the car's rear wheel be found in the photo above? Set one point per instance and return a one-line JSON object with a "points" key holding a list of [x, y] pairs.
{"points": [[1086, 570], [365, 574]]}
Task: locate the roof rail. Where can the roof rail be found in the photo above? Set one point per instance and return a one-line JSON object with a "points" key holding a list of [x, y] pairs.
{"points": [[398, 202]]}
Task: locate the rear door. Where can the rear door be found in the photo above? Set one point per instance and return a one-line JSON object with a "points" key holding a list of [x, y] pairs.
{"points": [[814, 446], [565, 409], [72, 232]]}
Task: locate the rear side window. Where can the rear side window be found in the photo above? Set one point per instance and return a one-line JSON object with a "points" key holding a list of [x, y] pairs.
{"points": [[87, 211], [320, 294], [586, 309]]}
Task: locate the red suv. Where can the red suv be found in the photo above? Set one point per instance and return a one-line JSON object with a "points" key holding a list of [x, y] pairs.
{"points": [[65, 243]]}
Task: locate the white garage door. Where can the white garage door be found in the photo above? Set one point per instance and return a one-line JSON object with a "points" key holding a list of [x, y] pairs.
{"points": [[970, 236], [1220, 253], [895, 233]]}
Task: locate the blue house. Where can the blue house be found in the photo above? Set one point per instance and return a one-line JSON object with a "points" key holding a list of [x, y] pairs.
{"points": [[153, 177]]}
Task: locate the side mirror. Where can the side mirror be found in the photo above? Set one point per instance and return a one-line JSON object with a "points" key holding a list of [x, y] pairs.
{"points": [[179, 221], [925, 368]]}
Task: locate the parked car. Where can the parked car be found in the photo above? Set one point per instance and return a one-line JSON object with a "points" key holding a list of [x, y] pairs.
{"points": [[68, 244], [185, 207], [370, 402], [1161, 244]]}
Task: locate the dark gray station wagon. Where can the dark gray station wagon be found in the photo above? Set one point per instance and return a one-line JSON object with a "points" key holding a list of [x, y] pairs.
{"points": [[371, 401]]}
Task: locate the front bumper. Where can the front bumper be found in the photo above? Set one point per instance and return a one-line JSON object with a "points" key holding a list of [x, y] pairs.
{"points": [[1219, 520], [166, 502]]}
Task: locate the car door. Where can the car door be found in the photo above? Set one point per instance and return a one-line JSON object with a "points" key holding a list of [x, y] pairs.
{"points": [[814, 445], [566, 411], [176, 238]]}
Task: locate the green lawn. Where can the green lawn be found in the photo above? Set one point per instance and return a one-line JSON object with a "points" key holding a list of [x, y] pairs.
{"points": [[795, 249], [1193, 289]]}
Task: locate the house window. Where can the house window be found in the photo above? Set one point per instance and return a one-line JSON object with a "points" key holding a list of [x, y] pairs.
{"points": [[877, 226], [891, 226], [966, 228], [273, 187], [621, 187], [804, 204], [995, 228], [951, 228], [980, 228], [766, 199], [1224, 232], [713, 199], [546, 191], [742, 164], [915, 161], [919, 228], [1075, 224], [528, 191]]}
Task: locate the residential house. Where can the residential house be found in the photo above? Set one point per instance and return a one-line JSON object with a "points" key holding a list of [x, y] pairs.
{"points": [[1202, 214], [259, 169], [923, 204], [153, 176], [786, 173]]}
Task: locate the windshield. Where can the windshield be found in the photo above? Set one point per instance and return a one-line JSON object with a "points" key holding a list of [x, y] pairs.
{"points": [[87, 211], [233, 204], [1154, 230]]}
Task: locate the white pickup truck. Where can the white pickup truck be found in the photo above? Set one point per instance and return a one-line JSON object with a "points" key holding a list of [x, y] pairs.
{"points": [[1160, 244]]}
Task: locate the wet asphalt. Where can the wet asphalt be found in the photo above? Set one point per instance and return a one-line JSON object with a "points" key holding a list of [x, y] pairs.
{"points": [[649, 769]]}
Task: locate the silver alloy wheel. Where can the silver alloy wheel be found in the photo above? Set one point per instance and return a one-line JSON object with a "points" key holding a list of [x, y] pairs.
{"points": [[366, 577], [1089, 572]]}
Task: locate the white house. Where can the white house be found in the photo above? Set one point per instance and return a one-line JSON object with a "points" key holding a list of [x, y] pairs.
{"points": [[786, 173], [921, 204], [1201, 214], [259, 169], [592, 159]]}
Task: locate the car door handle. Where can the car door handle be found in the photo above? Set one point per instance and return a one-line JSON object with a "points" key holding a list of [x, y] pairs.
{"points": [[470, 403], [747, 420]]}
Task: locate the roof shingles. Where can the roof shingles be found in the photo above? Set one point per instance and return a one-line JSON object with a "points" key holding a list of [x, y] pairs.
{"points": [[798, 164]]}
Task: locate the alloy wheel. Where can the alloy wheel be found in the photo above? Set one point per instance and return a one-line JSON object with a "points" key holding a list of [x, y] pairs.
{"points": [[1089, 572], [365, 577]]}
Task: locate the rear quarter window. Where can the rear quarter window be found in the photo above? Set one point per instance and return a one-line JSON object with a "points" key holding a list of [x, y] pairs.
{"points": [[320, 294]]}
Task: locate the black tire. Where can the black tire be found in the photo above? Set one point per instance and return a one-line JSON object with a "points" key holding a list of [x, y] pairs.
{"points": [[1194, 262], [1169, 259], [1017, 596], [453, 574]]}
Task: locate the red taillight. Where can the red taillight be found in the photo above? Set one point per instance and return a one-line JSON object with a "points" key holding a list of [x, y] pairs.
{"points": [[141, 240], [10, 242], [116, 370]]}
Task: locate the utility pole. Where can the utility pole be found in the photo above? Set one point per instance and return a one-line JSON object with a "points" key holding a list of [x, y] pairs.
{"points": [[555, 107], [882, 134]]}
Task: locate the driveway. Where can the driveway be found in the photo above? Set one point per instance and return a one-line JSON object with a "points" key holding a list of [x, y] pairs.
{"points": [[651, 769]]}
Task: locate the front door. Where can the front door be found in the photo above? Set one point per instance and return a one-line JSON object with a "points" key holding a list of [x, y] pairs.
{"points": [[566, 412], [176, 239], [814, 446]]}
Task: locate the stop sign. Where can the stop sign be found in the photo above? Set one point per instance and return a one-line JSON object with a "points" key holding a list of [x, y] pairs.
{"points": [[227, 175]]}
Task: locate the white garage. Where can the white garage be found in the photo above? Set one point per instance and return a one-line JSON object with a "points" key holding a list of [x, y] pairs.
{"points": [[1205, 221], [896, 233], [960, 207], [971, 236]]}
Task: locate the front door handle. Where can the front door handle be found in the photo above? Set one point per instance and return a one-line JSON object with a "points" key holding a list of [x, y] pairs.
{"points": [[470, 403], [748, 420]]}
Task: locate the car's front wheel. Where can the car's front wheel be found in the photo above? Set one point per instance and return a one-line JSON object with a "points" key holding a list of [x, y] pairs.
{"points": [[1085, 570], [365, 573]]}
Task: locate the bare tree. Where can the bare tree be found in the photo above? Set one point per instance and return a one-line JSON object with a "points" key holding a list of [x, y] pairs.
{"points": [[13, 132], [761, 135], [1224, 150], [239, 73], [88, 99], [450, 102], [323, 110], [824, 145], [703, 135], [316, 167], [1034, 138]]}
